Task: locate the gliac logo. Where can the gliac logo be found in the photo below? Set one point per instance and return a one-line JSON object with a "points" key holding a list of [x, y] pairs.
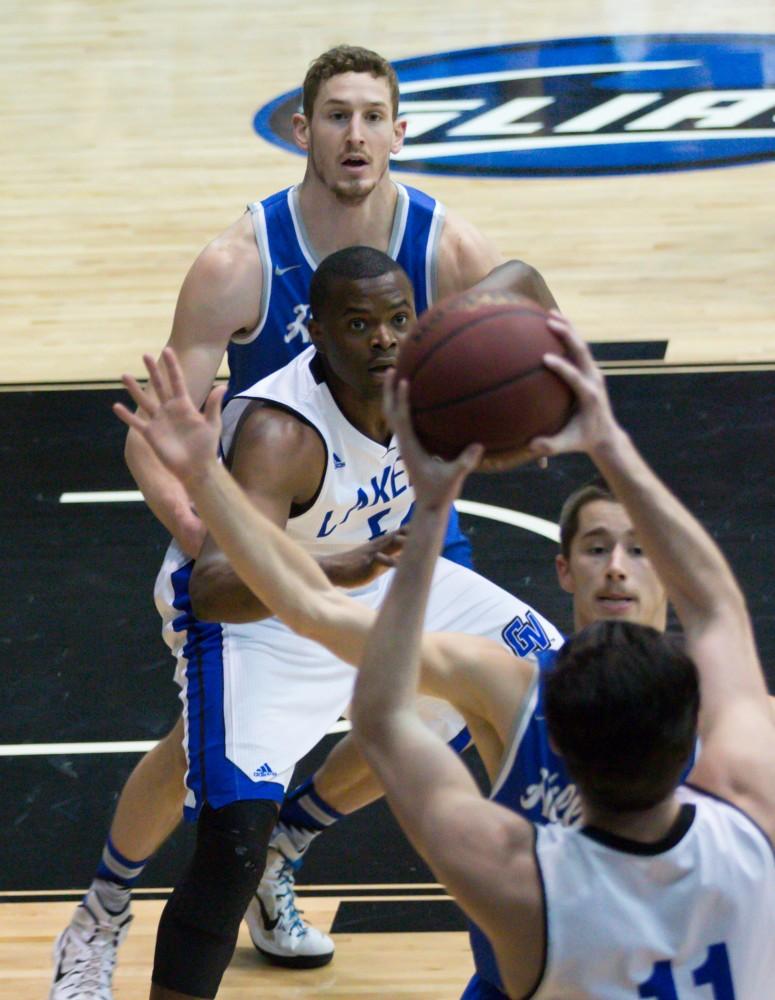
{"points": [[580, 106]]}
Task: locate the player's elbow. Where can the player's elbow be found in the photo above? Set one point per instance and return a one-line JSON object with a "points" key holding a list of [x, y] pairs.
{"points": [[523, 279]]}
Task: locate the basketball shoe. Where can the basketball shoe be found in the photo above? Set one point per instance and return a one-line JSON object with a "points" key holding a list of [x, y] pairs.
{"points": [[85, 952], [276, 926]]}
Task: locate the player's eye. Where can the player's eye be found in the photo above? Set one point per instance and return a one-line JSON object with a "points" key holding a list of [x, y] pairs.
{"points": [[636, 550], [358, 325], [400, 319]]}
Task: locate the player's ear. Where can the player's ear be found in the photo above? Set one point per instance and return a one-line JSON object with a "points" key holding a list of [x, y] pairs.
{"points": [[564, 575], [301, 131], [315, 331], [399, 133]]}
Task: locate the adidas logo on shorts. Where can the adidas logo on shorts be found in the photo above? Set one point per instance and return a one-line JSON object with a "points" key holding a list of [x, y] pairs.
{"points": [[265, 771]]}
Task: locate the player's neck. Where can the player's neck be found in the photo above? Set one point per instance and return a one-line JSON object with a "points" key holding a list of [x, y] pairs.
{"points": [[333, 223], [645, 826], [365, 414]]}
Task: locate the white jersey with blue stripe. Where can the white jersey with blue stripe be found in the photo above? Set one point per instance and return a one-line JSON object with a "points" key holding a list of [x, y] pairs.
{"points": [[288, 261], [689, 918], [534, 782], [364, 492]]}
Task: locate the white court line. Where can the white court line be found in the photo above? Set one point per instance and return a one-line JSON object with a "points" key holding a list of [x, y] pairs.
{"points": [[503, 514], [537, 525], [127, 746], [102, 496]]}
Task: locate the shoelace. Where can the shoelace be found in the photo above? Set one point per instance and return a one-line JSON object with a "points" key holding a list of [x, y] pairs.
{"points": [[89, 965], [291, 915]]}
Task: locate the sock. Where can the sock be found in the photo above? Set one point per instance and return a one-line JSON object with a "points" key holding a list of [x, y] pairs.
{"points": [[115, 877], [304, 814]]}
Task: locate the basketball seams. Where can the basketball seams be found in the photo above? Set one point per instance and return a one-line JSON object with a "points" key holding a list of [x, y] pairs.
{"points": [[508, 310], [458, 400]]}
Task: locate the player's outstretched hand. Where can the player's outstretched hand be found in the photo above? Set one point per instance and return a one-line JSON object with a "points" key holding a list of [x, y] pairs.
{"points": [[592, 422], [185, 440], [436, 482]]}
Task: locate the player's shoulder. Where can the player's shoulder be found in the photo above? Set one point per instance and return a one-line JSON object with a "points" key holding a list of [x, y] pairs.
{"points": [[233, 250], [226, 275], [284, 445], [466, 255], [268, 423]]}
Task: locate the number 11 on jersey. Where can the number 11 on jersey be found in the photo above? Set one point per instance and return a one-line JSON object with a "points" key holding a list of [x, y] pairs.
{"points": [[713, 972]]}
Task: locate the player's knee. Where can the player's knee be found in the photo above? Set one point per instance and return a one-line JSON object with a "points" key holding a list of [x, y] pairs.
{"points": [[199, 926]]}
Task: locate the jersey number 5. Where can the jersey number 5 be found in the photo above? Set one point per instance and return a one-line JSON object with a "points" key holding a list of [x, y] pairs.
{"points": [[713, 972]]}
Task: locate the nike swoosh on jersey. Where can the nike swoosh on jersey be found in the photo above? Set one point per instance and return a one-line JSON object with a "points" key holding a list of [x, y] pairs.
{"points": [[280, 271]]}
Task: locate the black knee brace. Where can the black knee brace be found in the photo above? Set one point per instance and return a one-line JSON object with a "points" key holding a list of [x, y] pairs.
{"points": [[199, 925]]}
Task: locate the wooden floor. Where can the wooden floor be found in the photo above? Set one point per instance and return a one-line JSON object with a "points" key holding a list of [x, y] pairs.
{"points": [[422, 966], [129, 145], [369, 966]]}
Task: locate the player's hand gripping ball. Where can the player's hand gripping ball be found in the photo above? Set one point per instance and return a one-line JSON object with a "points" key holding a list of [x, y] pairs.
{"points": [[473, 363]]}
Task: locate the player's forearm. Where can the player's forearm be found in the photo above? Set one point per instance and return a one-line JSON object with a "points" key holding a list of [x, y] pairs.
{"points": [[696, 575], [219, 594], [389, 674], [163, 493], [284, 579]]}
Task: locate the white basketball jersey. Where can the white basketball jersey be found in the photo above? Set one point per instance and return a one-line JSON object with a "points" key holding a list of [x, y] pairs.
{"points": [[365, 490], [691, 918]]}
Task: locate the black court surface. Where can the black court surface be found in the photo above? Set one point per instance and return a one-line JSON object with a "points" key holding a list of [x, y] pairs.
{"points": [[83, 661]]}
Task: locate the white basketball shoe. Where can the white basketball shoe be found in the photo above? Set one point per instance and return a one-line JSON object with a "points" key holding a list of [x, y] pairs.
{"points": [[86, 950], [276, 926]]}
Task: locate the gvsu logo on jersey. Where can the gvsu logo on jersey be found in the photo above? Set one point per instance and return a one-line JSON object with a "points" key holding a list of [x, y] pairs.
{"points": [[580, 106]]}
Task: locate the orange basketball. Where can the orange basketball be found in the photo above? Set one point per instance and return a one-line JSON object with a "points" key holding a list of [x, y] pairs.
{"points": [[475, 372]]}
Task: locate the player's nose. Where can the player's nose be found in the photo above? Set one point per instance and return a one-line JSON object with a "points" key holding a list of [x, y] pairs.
{"points": [[355, 129], [384, 336], [617, 563]]}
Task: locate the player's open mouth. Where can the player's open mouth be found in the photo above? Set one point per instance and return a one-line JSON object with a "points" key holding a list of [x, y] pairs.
{"points": [[615, 603], [354, 162]]}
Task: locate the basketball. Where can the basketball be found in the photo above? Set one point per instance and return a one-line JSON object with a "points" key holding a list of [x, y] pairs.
{"points": [[473, 363]]}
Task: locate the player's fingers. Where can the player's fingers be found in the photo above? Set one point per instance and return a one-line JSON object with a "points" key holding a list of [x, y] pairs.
{"points": [[575, 345], [128, 416], [213, 406], [570, 373], [388, 394], [470, 458], [157, 377], [143, 400], [543, 448], [174, 372]]}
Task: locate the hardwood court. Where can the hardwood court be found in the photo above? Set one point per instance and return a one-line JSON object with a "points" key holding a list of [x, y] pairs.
{"points": [[129, 145]]}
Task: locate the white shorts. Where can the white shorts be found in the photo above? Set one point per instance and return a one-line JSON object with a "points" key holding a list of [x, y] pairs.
{"points": [[257, 697]]}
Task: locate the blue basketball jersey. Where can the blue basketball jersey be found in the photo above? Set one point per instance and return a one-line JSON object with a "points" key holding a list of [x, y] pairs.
{"points": [[288, 261]]}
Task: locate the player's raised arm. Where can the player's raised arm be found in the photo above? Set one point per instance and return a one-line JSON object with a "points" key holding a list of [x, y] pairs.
{"points": [[429, 789], [215, 300], [736, 719]]}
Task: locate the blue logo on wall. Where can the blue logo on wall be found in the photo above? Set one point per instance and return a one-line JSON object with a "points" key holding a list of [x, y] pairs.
{"points": [[580, 106]]}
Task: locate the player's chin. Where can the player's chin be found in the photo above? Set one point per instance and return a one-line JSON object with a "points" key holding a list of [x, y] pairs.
{"points": [[354, 189]]}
